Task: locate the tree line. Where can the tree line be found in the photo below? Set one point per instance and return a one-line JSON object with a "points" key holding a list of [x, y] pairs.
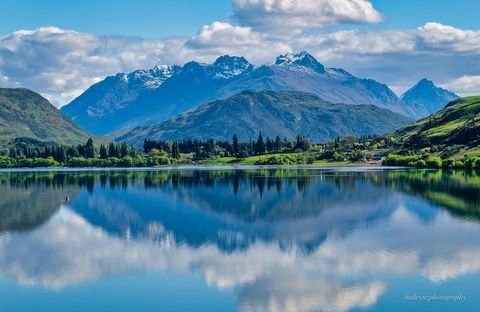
{"points": [[204, 149], [38, 154], [63, 153]]}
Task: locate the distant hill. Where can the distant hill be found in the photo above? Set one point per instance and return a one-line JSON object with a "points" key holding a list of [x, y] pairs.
{"points": [[118, 103], [426, 98], [453, 131], [284, 113], [26, 114]]}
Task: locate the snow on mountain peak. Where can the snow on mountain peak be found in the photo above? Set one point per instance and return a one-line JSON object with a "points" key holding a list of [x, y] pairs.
{"points": [[150, 78], [300, 59], [231, 66]]}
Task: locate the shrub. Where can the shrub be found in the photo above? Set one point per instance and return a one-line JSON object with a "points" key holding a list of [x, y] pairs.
{"points": [[79, 162], [358, 156], [420, 163], [7, 162], [434, 162], [37, 162], [126, 162], [400, 160], [284, 160], [471, 163], [338, 156], [449, 163]]}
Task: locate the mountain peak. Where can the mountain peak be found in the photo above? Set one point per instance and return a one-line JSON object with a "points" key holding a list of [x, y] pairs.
{"points": [[230, 66], [300, 59], [427, 96], [425, 83]]}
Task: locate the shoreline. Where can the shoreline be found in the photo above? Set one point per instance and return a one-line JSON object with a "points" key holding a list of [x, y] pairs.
{"points": [[345, 167]]}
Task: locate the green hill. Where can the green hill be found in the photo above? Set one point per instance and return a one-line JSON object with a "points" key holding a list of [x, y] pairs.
{"points": [[26, 114], [284, 113], [452, 132]]}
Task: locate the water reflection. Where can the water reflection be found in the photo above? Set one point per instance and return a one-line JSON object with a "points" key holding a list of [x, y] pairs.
{"points": [[293, 240]]}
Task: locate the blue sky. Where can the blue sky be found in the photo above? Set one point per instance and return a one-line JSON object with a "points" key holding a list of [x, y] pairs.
{"points": [[157, 19], [66, 46]]}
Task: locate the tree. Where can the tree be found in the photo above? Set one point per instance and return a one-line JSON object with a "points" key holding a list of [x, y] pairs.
{"points": [[260, 145], [112, 150], [89, 149], [103, 152], [123, 150], [299, 140], [61, 154], [235, 145], [175, 150], [269, 145], [277, 145]]}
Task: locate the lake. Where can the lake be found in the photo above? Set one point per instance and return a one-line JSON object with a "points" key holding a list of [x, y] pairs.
{"points": [[331, 239]]}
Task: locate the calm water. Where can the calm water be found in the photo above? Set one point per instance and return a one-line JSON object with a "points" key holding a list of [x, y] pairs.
{"points": [[247, 240]]}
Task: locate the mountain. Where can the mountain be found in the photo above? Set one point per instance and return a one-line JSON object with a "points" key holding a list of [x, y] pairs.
{"points": [[284, 113], [196, 83], [26, 114], [453, 131], [102, 100], [302, 72], [427, 98]]}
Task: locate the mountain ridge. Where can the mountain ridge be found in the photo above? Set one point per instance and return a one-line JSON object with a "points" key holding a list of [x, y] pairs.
{"points": [[26, 114], [453, 131], [283, 113]]}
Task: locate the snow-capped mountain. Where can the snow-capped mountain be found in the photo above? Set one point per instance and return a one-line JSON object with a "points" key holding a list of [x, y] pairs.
{"points": [[151, 96], [302, 72], [146, 96], [427, 98], [113, 94]]}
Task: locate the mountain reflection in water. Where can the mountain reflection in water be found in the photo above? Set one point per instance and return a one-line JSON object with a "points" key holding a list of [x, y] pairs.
{"points": [[277, 239]]}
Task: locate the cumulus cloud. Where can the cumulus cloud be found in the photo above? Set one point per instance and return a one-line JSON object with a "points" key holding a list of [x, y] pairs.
{"points": [[443, 37], [221, 38], [62, 63], [286, 16], [465, 84], [218, 33]]}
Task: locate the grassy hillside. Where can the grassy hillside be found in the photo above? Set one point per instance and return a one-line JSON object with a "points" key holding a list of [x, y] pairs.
{"points": [[452, 132], [284, 113], [26, 114]]}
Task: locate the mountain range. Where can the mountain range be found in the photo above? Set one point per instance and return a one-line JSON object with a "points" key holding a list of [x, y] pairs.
{"points": [[142, 98], [26, 114], [283, 113]]}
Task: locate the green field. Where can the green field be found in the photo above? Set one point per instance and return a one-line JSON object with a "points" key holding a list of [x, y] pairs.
{"points": [[253, 160]]}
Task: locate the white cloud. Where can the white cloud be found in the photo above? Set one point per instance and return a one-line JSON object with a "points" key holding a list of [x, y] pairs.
{"points": [[443, 37], [286, 16], [61, 63], [465, 84], [219, 33]]}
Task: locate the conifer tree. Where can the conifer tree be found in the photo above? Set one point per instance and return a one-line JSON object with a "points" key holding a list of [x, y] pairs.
{"points": [[235, 145], [260, 145]]}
